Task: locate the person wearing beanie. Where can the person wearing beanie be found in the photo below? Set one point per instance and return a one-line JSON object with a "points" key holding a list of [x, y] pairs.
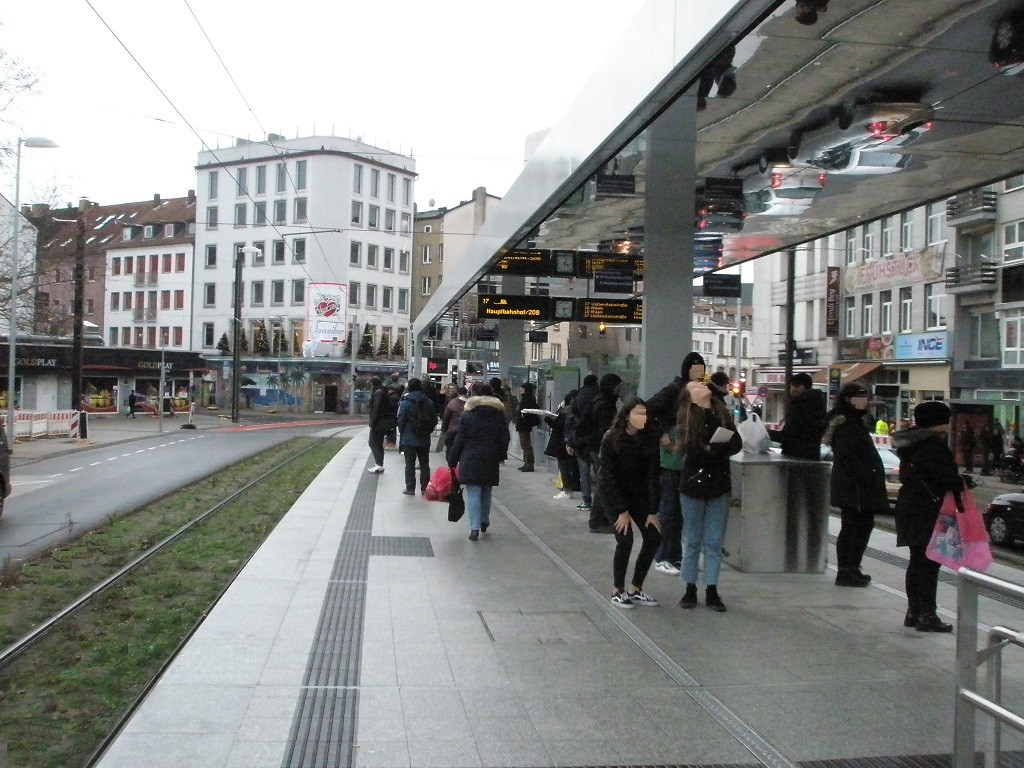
{"points": [[857, 484], [927, 471], [662, 406], [524, 423]]}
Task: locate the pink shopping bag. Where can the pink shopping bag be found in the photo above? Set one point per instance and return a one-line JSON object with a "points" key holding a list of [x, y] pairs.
{"points": [[960, 539]]}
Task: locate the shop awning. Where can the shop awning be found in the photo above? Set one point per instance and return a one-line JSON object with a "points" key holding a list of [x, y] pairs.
{"points": [[847, 371]]}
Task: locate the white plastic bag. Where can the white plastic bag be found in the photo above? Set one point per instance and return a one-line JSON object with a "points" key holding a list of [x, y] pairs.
{"points": [[754, 435]]}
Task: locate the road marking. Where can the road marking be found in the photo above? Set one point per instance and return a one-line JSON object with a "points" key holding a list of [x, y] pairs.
{"points": [[140, 450], [95, 463], [113, 458], [76, 469], [125, 455]]}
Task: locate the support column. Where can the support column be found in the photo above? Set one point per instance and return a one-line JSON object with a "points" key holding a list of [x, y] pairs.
{"points": [[511, 334], [668, 245]]}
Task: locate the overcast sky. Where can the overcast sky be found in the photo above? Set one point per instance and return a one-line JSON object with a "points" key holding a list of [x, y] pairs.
{"points": [[457, 83]]}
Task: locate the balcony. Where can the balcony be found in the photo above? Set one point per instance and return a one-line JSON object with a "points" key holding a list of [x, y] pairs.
{"points": [[146, 278], [971, 208], [971, 278], [143, 315]]}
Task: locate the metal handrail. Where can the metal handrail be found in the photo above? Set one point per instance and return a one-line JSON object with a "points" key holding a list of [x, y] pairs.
{"points": [[969, 700]]}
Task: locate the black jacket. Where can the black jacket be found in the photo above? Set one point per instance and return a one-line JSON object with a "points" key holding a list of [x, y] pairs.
{"points": [[927, 472], [805, 421], [525, 422], [663, 406], [598, 417], [555, 447], [858, 476], [382, 413], [628, 475], [577, 408], [712, 458], [481, 442]]}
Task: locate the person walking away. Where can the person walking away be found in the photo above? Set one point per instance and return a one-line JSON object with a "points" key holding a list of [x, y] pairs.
{"points": [[524, 423], [705, 488], [133, 400], [998, 446], [450, 419], [481, 444], [669, 557], [596, 420], [628, 488], [417, 418], [382, 420], [968, 442], [556, 449], [927, 471], [857, 483], [573, 419], [395, 390], [800, 432], [985, 442]]}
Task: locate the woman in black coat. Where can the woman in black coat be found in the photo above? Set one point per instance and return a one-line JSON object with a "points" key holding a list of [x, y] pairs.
{"points": [[857, 483], [568, 469], [927, 471], [628, 482], [481, 444]]}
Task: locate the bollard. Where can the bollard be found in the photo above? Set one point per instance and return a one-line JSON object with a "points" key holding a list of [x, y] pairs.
{"points": [[83, 424]]}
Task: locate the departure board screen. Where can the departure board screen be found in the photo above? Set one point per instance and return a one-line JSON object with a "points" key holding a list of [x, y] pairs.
{"points": [[610, 310], [511, 307], [534, 262]]}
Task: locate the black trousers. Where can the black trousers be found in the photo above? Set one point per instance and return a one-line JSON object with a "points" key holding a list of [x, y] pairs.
{"points": [[376, 441], [922, 582], [412, 455], [854, 532], [624, 545]]}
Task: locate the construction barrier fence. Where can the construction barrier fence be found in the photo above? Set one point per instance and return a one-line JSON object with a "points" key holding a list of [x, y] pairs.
{"points": [[30, 424]]}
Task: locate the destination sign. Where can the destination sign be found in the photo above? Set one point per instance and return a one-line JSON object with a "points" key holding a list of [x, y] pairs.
{"points": [[723, 286], [512, 307], [592, 262], [610, 310], [532, 262]]}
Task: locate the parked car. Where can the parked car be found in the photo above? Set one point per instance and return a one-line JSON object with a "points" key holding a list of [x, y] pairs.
{"points": [[782, 189], [1004, 518], [5, 470]]}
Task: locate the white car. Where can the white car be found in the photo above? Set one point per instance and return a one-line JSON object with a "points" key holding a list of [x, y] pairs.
{"points": [[781, 189]]}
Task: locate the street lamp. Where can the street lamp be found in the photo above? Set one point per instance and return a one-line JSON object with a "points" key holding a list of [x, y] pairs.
{"points": [[32, 142]]}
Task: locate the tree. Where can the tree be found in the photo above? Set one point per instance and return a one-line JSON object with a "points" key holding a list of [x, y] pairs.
{"points": [[243, 341], [398, 350], [366, 345], [382, 350], [348, 346], [260, 343], [224, 345]]}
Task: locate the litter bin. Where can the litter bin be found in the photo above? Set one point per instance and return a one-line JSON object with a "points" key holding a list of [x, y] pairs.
{"points": [[778, 522]]}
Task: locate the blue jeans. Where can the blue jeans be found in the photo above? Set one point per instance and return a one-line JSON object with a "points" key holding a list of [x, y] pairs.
{"points": [[671, 518], [584, 466], [478, 505], [703, 528]]}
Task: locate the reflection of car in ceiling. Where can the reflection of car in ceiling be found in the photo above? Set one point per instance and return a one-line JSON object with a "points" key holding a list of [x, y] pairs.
{"points": [[861, 139], [1007, 50], [779, 189]]}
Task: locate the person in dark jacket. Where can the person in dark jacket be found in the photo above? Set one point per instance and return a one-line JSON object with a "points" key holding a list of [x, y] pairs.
{"points": [[450, 418], [590, 431], [583, 400], [705, 487], [556, 449], [415, 447], [382, 421], [395, 390], [857, 483], [800, 435], [628, 488], [927, 471], [968, 442], [524, 424], [481, 444]]}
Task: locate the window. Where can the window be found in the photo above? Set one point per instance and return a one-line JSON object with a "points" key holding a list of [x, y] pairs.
{"points": [[278, 256], [371, 296], [115, 302], [357, 179], [373, 220], [242, 177], [536, 350], [936, 226], [371, 256], [556, 353], [1013, 347], [168, 230], [355, 254], [867, 314], [426, 254], [211, 256], [389, 259], [299, 250], [165, 336], [392, 179], [115, 265], [886, 235], [906, 310], [374, 183], [241, 212], [300, 174], [984, 336], [933, 296], [425, 283], [211, 185], [165, 299], [126, 300], [281, 178], [404, 257], [207, 334], [211, 218], [209, 294], [299, 291], [851, 317], [353, 294], [1014, 182], [259, 259], [406, 192], [885, 312], [259, 217], [179, 262], [280, 211], [906, 231], [112, 337], [869, 242], [256, 298], [126, 336], [300, 209], [357, 214], [277, 291], [154, 263], [178, 336], [851, 246], [389, 220], [387, 297], [165, 265], [261, 179], [406, 224], [179, 299], [151, 337], [440, 253], [403, 299], [1013, 241], [721, 344]]}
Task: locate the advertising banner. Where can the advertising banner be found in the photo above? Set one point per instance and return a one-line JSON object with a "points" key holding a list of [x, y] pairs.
{"points": [[326, 305], [923, 346], [832, 285]]}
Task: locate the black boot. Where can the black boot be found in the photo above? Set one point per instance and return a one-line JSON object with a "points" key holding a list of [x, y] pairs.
{"points": [[852, 577], [929, 622], [690, 598], [913, 611], [712, 600]]}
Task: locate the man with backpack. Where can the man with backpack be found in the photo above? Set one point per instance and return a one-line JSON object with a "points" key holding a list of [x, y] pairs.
{"points": [[394, 391], [417, 418]]}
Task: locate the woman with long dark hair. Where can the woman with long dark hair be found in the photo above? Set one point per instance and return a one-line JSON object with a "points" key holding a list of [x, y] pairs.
{"points": [[627, 481], [705, 486]]}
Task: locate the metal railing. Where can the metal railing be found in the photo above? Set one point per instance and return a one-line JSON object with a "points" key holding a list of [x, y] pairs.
{"points": [[969, 699]]}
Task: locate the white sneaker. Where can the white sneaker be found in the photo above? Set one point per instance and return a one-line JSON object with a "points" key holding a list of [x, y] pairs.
{"points": [[663, 566], [376, 469], [563, 495]]}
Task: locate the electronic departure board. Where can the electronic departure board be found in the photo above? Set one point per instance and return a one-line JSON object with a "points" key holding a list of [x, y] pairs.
{"points": [[533, 262], [610, 310], [513, 307]]}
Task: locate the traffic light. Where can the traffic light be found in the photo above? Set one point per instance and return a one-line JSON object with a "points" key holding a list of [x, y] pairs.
{"points": [[737, 388], [600, 328]]}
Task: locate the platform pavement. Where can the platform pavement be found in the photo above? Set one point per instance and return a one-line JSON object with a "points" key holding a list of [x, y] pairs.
{"points": [[426, 649]]}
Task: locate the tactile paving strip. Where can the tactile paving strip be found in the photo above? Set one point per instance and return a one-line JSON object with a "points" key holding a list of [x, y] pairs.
{"points": [[401, 546]]}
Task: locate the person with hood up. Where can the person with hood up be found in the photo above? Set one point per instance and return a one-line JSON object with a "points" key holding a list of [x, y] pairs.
{"points": [[927, 471], [663, 406], [450, 419], [481, 444], [800, 434], [857, 484], [415, 447], [595, 421], [524, 423], [556, 449], [582, 401]]}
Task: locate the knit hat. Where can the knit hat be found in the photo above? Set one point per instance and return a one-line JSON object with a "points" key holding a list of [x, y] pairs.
{"points": [[692, 359], [931, 413], [853, 389]]}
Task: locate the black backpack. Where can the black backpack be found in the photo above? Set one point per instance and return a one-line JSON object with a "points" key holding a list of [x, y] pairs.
{"points": [[393, 396], [422, 417]]}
